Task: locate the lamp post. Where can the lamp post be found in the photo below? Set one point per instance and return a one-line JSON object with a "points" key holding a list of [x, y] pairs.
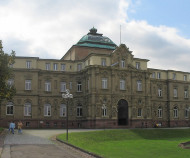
{"points": [[67, 96]]}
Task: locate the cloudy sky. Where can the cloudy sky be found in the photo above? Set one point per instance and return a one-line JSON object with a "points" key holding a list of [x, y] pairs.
{"points": [[157, 30]]}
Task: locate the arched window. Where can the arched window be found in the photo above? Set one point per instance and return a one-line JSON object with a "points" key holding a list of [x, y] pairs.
{"points": [[9, 108], [175, 112], [27, 109], [159, 112]]}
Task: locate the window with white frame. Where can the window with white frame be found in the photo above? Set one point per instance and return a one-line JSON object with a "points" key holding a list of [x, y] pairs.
{"points": [[47, 110], [70, 85], [122, 63], [47, 86], [122, 84], [63, 86], [28, 84], [175, 92], [159, 92], [185, 77], [79, 67], [139, 85], [185, 93], [186, 113], [10, 82], [63, 110], [79, 87], [28, 64], [159, 112], [153, 75], [55, 66], [104, 83], [139, 112], [79, 110], [158, 75], [175, 112], [137, 65], [27, 109], [63, 67], [48, 66], [104, 111], [174, 76], [9, 108], [103, 62]]}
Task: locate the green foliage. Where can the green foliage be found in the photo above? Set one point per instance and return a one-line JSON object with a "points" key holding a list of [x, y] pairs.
{"points": [[133, 143], [6, 91]]}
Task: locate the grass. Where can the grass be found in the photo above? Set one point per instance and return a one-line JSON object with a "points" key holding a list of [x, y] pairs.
{"points": [[133, 143]]}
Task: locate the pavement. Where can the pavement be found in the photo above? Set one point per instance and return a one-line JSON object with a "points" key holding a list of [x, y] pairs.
{"points": [[39, 144]]}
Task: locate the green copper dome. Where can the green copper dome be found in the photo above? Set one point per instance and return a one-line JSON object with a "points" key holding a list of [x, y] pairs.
{"points": [[94, 39]]}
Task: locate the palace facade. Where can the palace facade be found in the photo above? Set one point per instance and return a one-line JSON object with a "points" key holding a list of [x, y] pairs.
{"points": [[111, 89]]}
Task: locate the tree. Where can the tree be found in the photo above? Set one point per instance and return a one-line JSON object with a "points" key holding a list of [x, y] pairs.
{"points": [[6, 91]]}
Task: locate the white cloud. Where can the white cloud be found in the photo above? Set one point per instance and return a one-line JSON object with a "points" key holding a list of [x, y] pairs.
{"points": [[49, 28]]}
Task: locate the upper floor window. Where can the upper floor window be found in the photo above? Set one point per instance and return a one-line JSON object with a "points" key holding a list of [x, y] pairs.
{"points": [[185, 77], [139, 112], [175, 92], [186, 93], [159, 92], [47, 86], [175, 112], [79, 87], [79, 110], [28, 84], [55, 66], [158, 75], [10, 82], [47, 110], [122, 84], [174, 76], [48, 66], [63, 67], [122, 63], [159, 112], [63, 86], [79, 67], [137, 65], [153, 75], [139, 85], [63, 110], [27, 109], [9, 108], [103, 62], [104, 83], [28, 64]]}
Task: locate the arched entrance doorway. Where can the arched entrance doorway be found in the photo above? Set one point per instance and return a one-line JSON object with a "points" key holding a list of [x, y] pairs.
{"points": [[122, 112]]}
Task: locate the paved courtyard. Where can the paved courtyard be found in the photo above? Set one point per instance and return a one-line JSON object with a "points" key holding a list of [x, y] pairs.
{"points": [[39, 144]]}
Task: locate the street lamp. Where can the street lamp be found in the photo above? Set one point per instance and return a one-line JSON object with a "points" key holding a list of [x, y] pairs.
{"points": [[67, 96]]}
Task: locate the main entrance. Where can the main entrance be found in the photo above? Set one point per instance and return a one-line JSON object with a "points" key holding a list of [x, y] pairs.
{"points": [[122, 112]]}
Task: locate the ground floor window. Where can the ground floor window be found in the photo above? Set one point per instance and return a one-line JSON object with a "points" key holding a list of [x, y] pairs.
{"points": [[47, 110], [27, 109], [9, 108], [63, 110], [139, 112], [79, 110], [159, 112], [175, 112]]}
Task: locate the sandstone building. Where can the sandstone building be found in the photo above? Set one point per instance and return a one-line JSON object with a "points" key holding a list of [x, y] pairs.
{"points": [[111, 89]]}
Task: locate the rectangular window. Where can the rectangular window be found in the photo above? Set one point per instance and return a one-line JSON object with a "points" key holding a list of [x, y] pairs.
{"points": [[79, 87], [159, 113], [139, 85], [186, 113], [79, 111], [28, 84], [48, 66], [123, 63], [104, 83], [47, 86], [175, 112], [137, 65], [47, 110], [63, 110], [185, 94], [139, 112], [10, 82], [153, 75], [27, 109], [174, 76], [185, 77], [122, 84], [158, 75], [70, 85], [103, 62], [175, 92], [9, 108], [104, 111], [55, 66], [63, 86], [79, 67], [28, 64], [63, 67], [159, 92]]}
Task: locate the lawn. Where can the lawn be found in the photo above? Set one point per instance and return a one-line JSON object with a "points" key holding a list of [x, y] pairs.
{"points": [[133, 143]]}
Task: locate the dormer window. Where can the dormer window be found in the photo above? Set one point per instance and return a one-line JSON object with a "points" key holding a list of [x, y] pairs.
{"points": [[137, 65], [122, 63]]}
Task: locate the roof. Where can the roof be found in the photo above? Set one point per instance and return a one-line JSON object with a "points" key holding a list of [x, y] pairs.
{"points": [[94, 39]]}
